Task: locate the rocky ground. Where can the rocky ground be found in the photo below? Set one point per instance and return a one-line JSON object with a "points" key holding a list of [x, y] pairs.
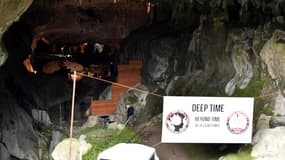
{"points": [[152, 137]]}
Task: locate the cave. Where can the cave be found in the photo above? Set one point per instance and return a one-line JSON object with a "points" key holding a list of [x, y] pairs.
{"points": [[180, 48]]}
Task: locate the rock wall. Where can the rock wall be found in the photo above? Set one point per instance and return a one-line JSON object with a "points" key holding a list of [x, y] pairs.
{"points": [[9, 13], [228, 53], [21, 91], [190, 48]]}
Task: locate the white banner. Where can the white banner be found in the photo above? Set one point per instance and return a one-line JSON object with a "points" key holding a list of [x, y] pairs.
{"points": [[207, 119]]}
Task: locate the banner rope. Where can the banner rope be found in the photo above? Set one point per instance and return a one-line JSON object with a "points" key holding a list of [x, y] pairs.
{"points": [[119, 84]]}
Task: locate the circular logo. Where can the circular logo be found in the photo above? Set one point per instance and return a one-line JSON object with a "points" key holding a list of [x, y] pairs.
{"points": [[177, 121], [237, 122]]}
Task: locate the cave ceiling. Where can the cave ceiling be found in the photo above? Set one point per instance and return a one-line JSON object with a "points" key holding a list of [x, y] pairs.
{"points": [[105, 21], [65, 21]]}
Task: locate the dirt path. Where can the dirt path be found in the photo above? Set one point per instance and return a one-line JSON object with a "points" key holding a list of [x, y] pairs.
{"points": [[166, 151]]}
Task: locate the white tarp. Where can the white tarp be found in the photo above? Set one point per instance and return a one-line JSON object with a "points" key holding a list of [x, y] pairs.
{"points": [[128, 151], [207, 119]]}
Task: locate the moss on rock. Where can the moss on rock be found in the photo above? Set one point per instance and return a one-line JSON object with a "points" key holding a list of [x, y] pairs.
{"points": [[152, 108]]}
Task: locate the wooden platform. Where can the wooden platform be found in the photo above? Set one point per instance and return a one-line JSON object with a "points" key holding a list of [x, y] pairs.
{"points": [[129, 75]]}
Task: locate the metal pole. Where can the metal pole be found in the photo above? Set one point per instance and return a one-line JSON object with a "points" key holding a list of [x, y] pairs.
{"points": [[72, 114]]}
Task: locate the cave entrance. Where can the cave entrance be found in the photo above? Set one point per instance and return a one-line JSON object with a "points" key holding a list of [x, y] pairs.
{"points": [[97, 60], [91, 57]]}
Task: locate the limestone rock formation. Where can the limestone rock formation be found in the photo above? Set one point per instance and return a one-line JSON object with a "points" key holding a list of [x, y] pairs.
{"points": [[188, 48], [78, 149], [216, 58], [135, 99], [263, 122], [21, 91], [279, 105], [273, 56], [277, 121], [61, 151], [4, 153], [239, 49], [9, 13], [269, 144], [16, 124]]}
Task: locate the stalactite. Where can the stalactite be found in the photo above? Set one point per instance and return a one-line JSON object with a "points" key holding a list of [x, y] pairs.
{"points": [[3, 53]]}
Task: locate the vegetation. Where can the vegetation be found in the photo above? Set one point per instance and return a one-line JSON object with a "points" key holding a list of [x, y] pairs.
{"points": [[202, 151], [254, 89], [244, 154], [268, 110], [132, 99], [238, 156], [102, 138]]}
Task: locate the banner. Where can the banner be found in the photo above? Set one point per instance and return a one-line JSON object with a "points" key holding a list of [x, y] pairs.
{"points": [[207, 119]]}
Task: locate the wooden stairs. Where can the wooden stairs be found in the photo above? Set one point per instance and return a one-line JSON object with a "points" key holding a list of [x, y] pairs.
{"points": [[129, 75]]}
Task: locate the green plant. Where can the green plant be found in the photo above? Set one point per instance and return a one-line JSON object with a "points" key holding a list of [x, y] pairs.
{"points": [[254, 88], [238, 156], [267, 110], [243, 154], [103, 138], [133, 99]]}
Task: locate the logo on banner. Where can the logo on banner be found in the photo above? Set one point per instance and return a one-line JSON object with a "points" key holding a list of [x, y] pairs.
{"points": [[237, 122], [177, 122]]}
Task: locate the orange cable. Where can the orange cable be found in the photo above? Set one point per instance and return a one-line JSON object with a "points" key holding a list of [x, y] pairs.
{"points": [[119, 84]]}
